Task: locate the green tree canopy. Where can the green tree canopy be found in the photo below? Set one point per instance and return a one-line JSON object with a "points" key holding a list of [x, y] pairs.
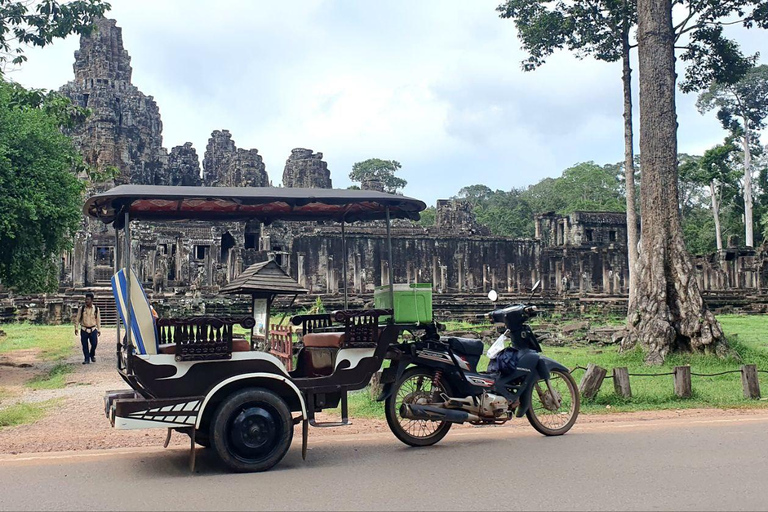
{"points": [[742, 106], [376, 169], [25, 23], [41, 194]]}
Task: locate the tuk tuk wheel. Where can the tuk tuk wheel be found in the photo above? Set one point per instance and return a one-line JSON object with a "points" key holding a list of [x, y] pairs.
{"points": [[252, 430]]}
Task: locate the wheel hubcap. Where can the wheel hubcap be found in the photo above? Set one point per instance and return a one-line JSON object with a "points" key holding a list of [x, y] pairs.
{"points": [[254, 432]]}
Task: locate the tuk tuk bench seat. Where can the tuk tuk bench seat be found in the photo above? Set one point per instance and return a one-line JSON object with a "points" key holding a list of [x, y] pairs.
{"points": [[323, 340]]}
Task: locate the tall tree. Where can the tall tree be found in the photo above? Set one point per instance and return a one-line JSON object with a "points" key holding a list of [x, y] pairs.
{"points": [[25, 23], [713, 171], [742, 108], [669, 312], [41, 194], [603, 28], [378, 170], [589, 28]]}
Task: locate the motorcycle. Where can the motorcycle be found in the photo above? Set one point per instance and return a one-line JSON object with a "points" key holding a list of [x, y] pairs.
{"points": [[433, 382]]}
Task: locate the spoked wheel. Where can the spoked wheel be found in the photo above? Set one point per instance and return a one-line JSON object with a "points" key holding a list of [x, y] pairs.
{"points": [[416, 387], [554, 407], [252, 430]]}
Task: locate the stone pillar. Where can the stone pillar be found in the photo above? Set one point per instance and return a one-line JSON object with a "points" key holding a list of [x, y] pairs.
{"points": [[78, 261], [443, 278], [606, 276], [329, 275], [510, 278], [460, 265], [537, 224], [435, 283], [485, 278], [300, 275], [384, 273], [493, 279], [616, 283], [358, 286]]}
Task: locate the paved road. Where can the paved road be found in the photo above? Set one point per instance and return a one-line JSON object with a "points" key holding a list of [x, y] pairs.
{"points": [[690, 464]]}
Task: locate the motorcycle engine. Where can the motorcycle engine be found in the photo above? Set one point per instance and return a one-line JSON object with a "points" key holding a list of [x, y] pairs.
{"points": [[493, 406]]}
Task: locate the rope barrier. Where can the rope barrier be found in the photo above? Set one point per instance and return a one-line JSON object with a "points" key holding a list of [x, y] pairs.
{"points": [[694, 374], [714, 374]]}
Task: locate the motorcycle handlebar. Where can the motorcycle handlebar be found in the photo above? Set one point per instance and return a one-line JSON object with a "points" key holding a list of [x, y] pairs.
{"points": [[531, 311]]}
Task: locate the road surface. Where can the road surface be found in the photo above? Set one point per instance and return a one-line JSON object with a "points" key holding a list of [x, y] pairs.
{"points": [[693, 464]]}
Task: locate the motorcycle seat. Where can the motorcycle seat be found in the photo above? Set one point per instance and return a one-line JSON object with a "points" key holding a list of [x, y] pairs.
{"points": [[466, 346]]}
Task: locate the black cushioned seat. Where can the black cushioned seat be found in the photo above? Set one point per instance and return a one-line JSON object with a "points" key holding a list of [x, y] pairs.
{"points": [[466, 346]]}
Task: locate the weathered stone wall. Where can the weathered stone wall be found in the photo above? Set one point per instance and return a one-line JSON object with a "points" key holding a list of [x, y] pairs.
{"points": [[183, 167], [456, 216], [225, 165], [582, 229], [125, 129], [306, 169]]}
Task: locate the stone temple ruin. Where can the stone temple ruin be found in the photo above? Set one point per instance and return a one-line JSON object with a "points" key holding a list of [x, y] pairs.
{"points": [[577, 255]]}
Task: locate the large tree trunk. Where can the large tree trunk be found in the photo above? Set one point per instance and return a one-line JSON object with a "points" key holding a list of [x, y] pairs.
{"points": [[748, 226], [629, 168], [669, 313], [716, 214]]}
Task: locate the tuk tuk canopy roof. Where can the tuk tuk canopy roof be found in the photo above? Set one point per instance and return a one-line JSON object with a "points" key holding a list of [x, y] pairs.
{"points": [[265, 278], [265, 204]]}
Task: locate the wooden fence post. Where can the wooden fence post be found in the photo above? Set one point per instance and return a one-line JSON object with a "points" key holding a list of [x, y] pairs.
{"points": [[749, 381], [683, 381], [621, 382], [592, 380], [374, 387]]}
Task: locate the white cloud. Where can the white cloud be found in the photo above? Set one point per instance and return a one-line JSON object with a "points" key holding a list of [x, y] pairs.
{"points": [[435, 84]]}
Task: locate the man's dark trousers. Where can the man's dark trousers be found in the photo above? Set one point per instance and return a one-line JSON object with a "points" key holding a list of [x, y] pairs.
{"points": [[91, 337]]}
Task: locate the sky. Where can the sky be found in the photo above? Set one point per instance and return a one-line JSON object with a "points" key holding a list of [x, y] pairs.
{"points": [[434, 84]]}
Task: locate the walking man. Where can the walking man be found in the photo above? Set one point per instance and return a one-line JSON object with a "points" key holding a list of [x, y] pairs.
{"points": [[88, 323]]}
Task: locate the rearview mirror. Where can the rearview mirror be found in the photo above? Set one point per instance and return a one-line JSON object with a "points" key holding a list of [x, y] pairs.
{"points": [[536, 286], [493, 296]]}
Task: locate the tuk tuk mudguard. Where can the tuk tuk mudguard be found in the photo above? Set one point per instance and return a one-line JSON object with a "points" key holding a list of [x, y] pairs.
{"points": [[255, 378]]}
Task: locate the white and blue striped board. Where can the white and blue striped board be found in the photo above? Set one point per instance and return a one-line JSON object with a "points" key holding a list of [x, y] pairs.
{"points": [[142, 323]]}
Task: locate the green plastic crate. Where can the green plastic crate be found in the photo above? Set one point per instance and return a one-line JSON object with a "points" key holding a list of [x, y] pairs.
{"points": [[413, 302]]}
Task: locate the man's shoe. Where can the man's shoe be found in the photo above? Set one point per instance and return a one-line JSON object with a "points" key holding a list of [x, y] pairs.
{"points": [[93, 359], [86, 362]]}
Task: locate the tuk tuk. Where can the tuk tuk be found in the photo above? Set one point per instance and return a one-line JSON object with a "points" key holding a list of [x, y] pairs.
{"points": [[196, 375]]}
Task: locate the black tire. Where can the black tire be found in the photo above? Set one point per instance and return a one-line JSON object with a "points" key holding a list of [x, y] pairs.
{"points": [[252, 430], [437, 429], [201, 438], [572, 403]]}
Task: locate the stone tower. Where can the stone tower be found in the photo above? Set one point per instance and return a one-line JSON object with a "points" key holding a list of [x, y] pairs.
{"points": [[183, 167], [305, 169], [225, 165], [124, 129]]}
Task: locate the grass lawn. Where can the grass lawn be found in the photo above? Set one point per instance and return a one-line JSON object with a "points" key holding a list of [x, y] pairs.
{"points": [[23, 413], [55, 378], [56, 342]]}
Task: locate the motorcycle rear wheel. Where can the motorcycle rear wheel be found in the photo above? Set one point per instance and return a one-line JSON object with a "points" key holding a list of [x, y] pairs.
{"points": [[544, 414], [416, 383]]}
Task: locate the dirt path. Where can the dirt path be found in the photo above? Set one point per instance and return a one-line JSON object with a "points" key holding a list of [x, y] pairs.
{"points": [[77, 420]]}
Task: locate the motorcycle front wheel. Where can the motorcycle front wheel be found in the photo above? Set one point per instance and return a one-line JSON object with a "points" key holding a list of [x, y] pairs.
{"points": [[554, 408], [416, 386]]}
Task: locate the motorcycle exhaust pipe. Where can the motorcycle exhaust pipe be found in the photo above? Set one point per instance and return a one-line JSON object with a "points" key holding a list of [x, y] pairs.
{"points": [[429, 412]]}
